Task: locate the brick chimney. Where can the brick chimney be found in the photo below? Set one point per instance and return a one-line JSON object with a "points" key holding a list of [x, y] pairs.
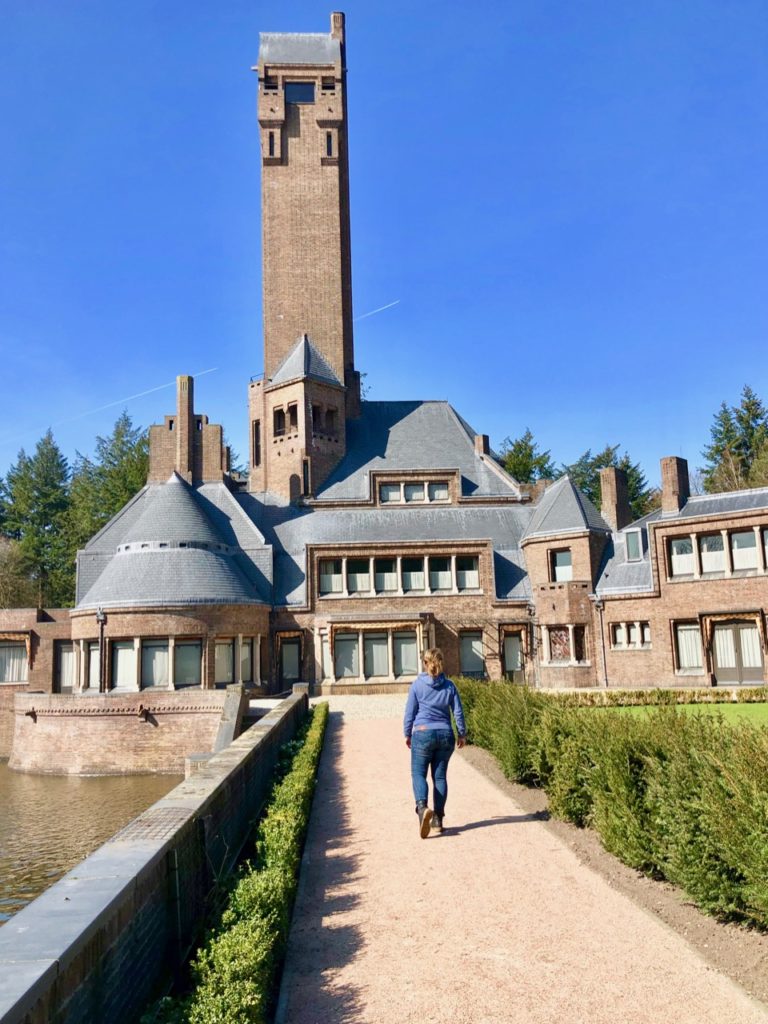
{"points": [[614, 498], [482, 444], [337, 26], [675, 489], [185, 426]]}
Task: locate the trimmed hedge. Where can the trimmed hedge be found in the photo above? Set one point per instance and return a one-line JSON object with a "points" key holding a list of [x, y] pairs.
{"points": [[682, 797], [236, 970]]}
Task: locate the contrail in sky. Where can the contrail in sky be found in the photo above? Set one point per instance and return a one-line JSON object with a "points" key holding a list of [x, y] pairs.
{"points": [[109, 405], [373, 312]]}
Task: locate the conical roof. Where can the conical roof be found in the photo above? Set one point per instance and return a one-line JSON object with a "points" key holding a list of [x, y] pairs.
{"points": [[172, 514], [303, 361], [564, 509]]}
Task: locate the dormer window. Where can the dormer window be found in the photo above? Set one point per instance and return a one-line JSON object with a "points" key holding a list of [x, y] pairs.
{"points": [[414, 492], [389, 493], [561, 566], [634, 546], [438, 491]]}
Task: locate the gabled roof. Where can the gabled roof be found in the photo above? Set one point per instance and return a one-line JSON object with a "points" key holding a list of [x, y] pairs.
{"points": [[298, 48], [402, 436], [304, 361], [562, 508]]}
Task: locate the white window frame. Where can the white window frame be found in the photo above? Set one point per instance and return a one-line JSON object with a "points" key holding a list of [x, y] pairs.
{"points": [[678, 562], [689, 629], [561, 573], [637, 536]]}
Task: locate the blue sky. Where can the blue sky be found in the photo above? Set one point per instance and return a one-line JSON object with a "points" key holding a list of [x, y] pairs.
{"points": [[565, 199]]}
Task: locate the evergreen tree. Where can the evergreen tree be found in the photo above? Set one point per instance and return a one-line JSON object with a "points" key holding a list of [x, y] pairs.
{"points": [[585, 474], [17, 589], [758, 471], [737, 437], [523, 460]]}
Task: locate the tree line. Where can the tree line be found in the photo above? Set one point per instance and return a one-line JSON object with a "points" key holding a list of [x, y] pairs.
{"points": [[49, 509]]}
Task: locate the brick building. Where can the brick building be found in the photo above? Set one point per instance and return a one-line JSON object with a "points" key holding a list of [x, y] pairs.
{"points": [[368, 531]]}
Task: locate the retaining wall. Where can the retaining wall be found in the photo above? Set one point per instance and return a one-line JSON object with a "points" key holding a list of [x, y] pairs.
{"points": [[108, 937]]}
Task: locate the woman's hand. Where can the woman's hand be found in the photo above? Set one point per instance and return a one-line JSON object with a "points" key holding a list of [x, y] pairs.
{"points": [[461, 742], [408, 742]]}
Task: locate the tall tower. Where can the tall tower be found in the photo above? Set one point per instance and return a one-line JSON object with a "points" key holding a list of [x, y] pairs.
{"points": [[306, 268]]}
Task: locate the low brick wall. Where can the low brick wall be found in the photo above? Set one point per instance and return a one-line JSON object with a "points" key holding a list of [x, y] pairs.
{"points": [[107, 938], [8, 693], [134, 733]]}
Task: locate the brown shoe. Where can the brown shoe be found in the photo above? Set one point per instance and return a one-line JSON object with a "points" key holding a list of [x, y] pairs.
{"points": [[437, 823], [425, 820]]}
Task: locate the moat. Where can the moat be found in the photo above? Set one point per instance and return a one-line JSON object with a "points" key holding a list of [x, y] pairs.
{"points": [[49, 823]]}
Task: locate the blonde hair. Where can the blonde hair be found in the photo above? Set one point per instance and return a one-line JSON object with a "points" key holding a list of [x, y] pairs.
{"points": [[433, 657]]}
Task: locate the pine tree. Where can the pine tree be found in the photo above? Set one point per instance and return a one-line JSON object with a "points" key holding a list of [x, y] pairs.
{"points": [[17, 589], [737, 437], [523, 460], [585, 474]]}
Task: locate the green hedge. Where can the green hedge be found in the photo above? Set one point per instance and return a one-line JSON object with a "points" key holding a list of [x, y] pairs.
{"points": [[235, 972], [682, 797]]}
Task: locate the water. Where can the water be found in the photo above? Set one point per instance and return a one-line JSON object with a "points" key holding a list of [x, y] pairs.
{"points": [[48, 823]]}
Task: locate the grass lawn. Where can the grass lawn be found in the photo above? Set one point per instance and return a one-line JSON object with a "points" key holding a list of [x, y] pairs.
{"points": [[755, 713]]}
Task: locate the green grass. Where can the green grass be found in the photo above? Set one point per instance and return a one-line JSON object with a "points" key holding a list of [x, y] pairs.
{"points": [[757, 714]]}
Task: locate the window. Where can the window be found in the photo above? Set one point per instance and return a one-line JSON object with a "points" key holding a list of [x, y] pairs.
{"points": [[329, 144], [154, 663], [123, 664], [385, 574], [271, 145], [375, 654], [257, 442], [330, 421], [224, 662], [634, 546], [712, 553], [64, 656], [681, 556], [346, 655], [618, 634], [413, 574], [317, 419], [406, 652], [765, 547], [270, 83], [645, 631], [93, 679], [630, 635], [559, 644], [688, 642], [440, 576], [187, 663], [513, 654], [299, 92], [330, 576], [414, 492], [293, 417], [306, 488], [358, 575], [329, 84], [561, 567], [744, 550], [246, 660], [279, 422], [13, 662], [467, 572], [438, 491], [471, 654], [389, 493]]}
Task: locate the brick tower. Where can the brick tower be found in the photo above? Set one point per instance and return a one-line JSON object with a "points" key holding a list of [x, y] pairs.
{"points": [[310, 384]]}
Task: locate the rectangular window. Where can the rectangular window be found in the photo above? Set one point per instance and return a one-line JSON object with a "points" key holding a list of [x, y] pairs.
{"points": [[270, 83], [257, 442], [471, 654], [375, 654], [93, 679], [64, 653], [306, 485], [124, 664], [271, 146], [406, 653], [634, 546], [224, 662], [438, 491], [413, 574], [346, 655], [712, 553], [385, 575], [513, 653], [330, 576], [414, 492], [744, 550], [440, 577], [559, 644], [358, 575], [13, 662], [688, 640], [467, 572], [317, 419], [279, 422], [681, 556], [299, 92], [634, 634], [329, 144], [154, 663], [330, 421], [562, 568], [187, 663], [293, 417], [329, 84], [645, 628], [765, 547], [246, 660], [389, 493], [618, 634]]}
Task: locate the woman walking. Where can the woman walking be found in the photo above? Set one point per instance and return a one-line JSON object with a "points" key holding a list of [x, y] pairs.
{"points": [[429, 735]]}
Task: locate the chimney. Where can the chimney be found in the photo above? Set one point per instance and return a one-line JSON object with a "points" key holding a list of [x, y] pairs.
{"points": [[185, 427], [675, 489], [337, 26], [482, 444], [614, 498]]}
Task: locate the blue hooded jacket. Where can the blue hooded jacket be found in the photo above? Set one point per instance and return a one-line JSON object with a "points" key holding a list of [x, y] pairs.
{"points": [[430, 702]]}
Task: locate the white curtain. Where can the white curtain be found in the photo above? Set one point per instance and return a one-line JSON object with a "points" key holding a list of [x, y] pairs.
{"points": [[94, 666], [347, 655], [440, 574], [751, 655], [467, 574], [154, 664], [744, 550], [13, 663], [66, 678], [413, 574], [376, 654], [689, 646], [123, 664], [224, 661], [246, 660], [385, 575], [712, 553], [187, 664], [513, 652], [682, 557], [406, 654], [330, 576], [471, 653]]}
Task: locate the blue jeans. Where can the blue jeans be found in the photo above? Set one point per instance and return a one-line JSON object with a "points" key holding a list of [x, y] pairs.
{"points": [[431, 749]]}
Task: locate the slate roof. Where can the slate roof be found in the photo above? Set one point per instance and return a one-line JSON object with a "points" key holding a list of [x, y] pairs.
{"points": [[562, 508], [289, 530], [391, 436], [719, 504], [304, 361], [298, 48], [617, 575]]}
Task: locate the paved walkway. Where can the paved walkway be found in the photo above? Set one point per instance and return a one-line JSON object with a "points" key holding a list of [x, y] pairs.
{"points": [[494, 921]]}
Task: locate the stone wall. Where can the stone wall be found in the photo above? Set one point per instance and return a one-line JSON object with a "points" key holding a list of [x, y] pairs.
{"points": [[108, 937]]}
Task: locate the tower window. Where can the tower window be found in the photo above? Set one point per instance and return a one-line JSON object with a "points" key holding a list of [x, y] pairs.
{"points": [[329, 84], [271, 144], [329, 144], [305, 481], [299, 92], [317, 419], [330, 421], [170, 424], [279, 422], [270, 82], [293, 417], [257, 442]]}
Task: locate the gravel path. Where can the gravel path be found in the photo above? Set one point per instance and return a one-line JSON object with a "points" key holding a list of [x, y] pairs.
{"points": [[495, 921]]}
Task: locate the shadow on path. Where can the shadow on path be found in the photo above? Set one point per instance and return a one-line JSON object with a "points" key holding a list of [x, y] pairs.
{"points": [[506, 819]]}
